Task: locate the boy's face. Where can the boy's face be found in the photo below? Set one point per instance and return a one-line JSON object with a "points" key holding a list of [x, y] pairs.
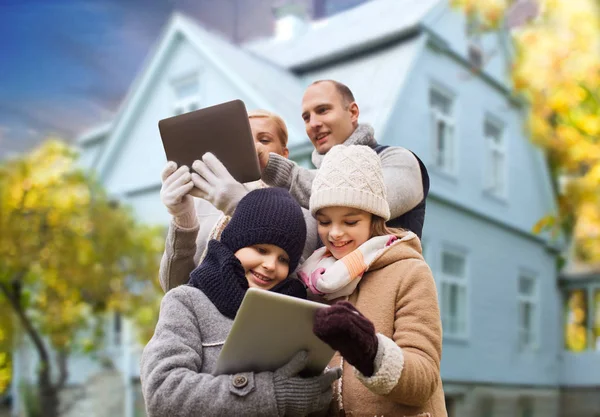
{"points": [[265, 265], [343, 229]]}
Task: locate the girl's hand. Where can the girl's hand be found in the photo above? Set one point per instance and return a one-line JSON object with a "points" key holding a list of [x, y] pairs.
{"points": [[346, 330]]}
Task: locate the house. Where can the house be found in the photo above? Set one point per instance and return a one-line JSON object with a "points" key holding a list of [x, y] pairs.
{"points": [[425, 85]]}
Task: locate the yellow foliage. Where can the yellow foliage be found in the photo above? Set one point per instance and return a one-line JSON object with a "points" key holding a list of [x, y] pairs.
{"points": [[557, 69], [71, 252]]}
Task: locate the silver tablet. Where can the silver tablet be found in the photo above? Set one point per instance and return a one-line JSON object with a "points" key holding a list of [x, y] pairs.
{"points": [[268, 330]]}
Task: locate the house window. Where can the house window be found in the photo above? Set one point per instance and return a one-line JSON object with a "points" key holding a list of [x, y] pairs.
{"points": [[486, 407], [453, 303], [525, 408], [528, 311], [442, 130], [117, 329], [576, 320], [495, 176], [596, 316], [186, 93]]}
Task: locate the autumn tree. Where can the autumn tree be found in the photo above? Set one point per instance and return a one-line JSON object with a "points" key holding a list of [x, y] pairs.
{"points": [[67, 254], [556, 69]]}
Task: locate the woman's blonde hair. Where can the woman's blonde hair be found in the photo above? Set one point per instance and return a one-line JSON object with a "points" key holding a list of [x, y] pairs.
{"points": [[378, 228], [279, 123]]}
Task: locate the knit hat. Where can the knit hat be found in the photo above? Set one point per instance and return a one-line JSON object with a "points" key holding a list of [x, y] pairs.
{"points": [[267, 216], [350, 176]]}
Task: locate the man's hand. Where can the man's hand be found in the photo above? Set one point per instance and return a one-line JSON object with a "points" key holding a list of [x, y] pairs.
{"points": [[215, 184], [174, 194]]}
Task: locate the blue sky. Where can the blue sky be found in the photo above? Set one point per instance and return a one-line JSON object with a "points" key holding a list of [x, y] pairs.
{"points": [[66, 65]]}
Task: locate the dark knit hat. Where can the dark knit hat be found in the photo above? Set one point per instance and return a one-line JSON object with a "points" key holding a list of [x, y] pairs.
{"points": [[267, 216]]}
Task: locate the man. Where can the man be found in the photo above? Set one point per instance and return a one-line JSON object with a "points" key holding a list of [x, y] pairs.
{"points": [[330, 116]]}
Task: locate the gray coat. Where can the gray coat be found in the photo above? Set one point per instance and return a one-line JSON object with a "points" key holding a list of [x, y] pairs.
{"points": [[177, 363]]}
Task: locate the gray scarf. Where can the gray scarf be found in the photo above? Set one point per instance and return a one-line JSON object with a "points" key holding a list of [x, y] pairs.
{"points": [[362, 135]]}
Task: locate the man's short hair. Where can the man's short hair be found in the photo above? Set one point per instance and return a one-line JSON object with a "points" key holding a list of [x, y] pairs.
{"points": [[279, 123], [345, 92]]}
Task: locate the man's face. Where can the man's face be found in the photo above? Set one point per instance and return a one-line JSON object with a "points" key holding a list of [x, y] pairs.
{"points": [[327, 119]]}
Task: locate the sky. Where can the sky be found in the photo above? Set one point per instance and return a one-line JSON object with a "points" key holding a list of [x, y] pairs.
{"points": [[65, 65]]}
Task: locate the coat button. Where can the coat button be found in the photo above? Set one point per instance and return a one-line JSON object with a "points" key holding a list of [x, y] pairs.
{"points": [[240, 381]]}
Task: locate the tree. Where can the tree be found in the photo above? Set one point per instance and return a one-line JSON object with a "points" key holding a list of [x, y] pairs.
{"points": [[67, 254], [556, 68]]}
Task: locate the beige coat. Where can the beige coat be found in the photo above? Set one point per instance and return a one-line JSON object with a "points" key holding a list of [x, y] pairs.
{"points": [[398, 294]]}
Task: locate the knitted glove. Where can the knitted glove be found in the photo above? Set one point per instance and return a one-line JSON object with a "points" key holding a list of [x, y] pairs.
{"points": [[215, 184], [174, 193], [297, 396], [346, 330]]}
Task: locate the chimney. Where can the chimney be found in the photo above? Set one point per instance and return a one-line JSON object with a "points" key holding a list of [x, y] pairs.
{"points": [[290, 19]]}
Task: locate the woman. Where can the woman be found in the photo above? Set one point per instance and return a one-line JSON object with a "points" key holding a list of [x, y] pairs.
{"points": [[195, 220]]}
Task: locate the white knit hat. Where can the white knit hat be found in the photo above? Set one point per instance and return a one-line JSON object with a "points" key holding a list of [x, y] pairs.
{"points": [[350, 176]]}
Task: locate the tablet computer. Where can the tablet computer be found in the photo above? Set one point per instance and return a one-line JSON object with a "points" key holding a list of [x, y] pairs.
{"points": [[222, 129], [268, 330]]}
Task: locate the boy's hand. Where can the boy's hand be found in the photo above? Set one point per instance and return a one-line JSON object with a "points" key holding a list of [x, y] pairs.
{"points": [[346, 330], [215, 184]]}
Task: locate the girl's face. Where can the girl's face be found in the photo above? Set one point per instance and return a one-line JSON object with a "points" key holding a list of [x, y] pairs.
{"points": [[343, 229], [265, 265]]}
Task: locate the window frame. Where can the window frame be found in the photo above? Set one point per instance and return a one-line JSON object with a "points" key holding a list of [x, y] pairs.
{"points": [[450, 159], [496, 186], [188, 103], [534, 300], [462, 283]]}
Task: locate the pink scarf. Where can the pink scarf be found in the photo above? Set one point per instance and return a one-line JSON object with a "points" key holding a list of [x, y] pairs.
{"points": [[332, 278]]}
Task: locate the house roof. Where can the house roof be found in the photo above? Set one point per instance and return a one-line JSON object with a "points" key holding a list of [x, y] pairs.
{"points": [[97, 132], [258, 70], [269, 87], [363, 27], [279, 90]]}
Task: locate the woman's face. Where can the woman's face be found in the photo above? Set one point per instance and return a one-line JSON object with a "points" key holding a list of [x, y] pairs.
{"points": [[343, 229], [265, 265], [266, 139]]}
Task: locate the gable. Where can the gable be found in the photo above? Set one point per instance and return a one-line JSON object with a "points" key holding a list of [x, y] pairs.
{"points": [[264, 86], [376, 79], [450, 25], [140, 157]]}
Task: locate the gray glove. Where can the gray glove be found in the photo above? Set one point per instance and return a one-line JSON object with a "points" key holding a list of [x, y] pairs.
{"points": [[215, 184], [297, 396], [174, 193]]}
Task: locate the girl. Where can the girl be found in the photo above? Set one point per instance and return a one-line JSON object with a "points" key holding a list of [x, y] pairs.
{"points": [[259, 247], [385, 319]]}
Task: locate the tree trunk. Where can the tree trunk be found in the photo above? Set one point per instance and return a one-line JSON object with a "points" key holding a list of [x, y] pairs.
{"points": [[47, 391], [48, 394]]}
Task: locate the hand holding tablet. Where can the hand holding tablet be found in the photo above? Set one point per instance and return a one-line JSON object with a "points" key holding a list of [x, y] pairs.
{"points": [[268, 331], [223, 130]]}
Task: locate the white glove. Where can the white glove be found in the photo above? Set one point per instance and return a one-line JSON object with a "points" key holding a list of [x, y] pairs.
{"points": [[174, 193], [215, 184]]}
